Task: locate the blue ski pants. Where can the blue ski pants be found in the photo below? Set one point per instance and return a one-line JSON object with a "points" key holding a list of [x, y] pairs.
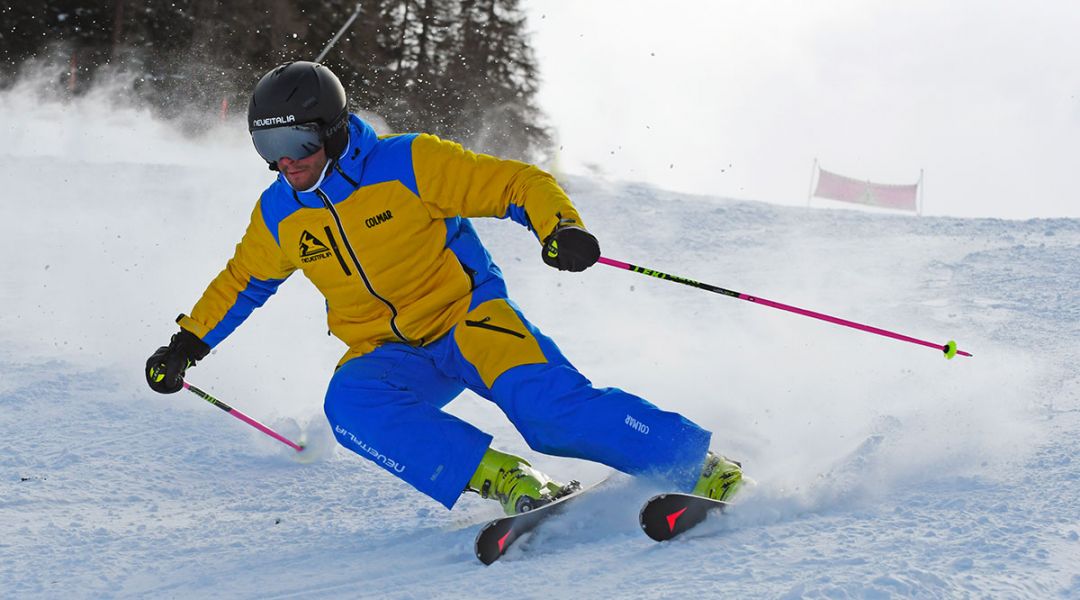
{"points": [[387, 406]]}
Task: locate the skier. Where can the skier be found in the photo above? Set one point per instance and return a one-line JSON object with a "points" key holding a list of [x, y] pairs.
{"points": [[381, 226]]}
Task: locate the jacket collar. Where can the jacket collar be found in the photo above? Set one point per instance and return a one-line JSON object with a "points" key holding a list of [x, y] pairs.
{"points": [[342, 175]]}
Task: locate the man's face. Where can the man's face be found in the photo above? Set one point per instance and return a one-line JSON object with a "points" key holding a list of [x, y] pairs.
{"points": [[302, 174]]}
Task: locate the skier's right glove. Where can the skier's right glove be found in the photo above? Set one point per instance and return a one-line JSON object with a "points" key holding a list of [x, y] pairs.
{"points": [[165, 368]]}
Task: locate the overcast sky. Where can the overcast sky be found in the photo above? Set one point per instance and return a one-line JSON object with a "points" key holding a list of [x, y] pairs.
{"points": [[737, 98]]}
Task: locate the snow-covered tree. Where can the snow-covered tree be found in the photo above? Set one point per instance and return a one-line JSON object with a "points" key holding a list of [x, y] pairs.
{"points": [[462, 69]]}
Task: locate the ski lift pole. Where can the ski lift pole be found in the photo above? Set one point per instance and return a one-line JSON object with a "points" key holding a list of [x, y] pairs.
{"points": [[338, 35], [239, 415], [949, 349]]}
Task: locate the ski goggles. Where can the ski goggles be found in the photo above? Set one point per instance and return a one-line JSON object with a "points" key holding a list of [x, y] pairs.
{"points": [[294, 142]]}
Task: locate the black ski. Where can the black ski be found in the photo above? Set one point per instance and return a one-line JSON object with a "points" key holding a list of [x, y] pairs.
{"points": [[667, 515], [497, 535]]}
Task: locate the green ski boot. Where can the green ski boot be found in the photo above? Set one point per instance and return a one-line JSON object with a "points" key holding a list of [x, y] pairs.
{"points": [[514, 483], [721, 478]]}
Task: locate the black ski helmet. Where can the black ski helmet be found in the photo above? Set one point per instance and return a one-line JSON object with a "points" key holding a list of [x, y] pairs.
{"points": [[301, 92]]}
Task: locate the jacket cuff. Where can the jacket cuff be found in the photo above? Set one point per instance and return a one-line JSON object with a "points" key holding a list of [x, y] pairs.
{"points": [[559, 221], [187, 323]]}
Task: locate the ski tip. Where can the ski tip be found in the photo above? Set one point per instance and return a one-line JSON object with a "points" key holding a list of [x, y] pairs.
{"points": [[666, 516], [492, 540]]}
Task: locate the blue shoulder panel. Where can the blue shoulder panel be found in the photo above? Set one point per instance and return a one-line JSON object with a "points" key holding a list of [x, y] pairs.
{"points": [[276, 204], [391, 160]]}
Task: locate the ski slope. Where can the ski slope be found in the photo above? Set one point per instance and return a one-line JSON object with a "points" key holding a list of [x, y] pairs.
{"points": [[883, 470]]}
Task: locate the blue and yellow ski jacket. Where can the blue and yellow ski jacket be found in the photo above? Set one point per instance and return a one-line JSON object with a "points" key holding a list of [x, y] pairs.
{"points": [[385, 237]]}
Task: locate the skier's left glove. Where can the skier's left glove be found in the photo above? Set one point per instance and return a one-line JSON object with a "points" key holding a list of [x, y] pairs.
{"points": [[571, 248], [165, 368]]}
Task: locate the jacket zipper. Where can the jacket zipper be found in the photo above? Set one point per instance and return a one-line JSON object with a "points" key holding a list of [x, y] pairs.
{"points": [[337, 253], [359, 269], [483, 324]]}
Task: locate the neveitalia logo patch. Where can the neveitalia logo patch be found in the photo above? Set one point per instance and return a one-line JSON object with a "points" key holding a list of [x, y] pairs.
{"points": [[274, 121], [311, 248]]}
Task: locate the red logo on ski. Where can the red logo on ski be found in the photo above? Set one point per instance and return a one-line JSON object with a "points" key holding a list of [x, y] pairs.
{"points": [[674, 517], [502, 542]]}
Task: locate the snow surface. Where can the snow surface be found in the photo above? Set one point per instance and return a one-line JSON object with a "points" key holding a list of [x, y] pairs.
{"points": [[883, 470]]}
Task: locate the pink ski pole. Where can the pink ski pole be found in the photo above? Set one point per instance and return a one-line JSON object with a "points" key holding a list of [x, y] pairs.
{"points": [[948, 348], [239, 415]]}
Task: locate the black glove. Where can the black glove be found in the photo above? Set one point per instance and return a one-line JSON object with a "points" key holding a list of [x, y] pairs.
{"points": [[570, 248], [165, 368]]}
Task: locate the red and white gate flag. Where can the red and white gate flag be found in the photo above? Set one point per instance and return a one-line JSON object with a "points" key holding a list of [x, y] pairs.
{"points": [[846, 189]]}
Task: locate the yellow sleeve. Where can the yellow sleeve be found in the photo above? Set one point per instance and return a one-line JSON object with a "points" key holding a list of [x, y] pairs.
{"points": [[454, 182], [250, 277]]}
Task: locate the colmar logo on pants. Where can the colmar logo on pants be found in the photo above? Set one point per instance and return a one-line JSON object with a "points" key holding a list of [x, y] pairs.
{"points": [[637, 425]]}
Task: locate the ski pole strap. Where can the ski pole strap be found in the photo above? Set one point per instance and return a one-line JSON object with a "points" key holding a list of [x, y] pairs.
{"points": [[949, 349], [239, 415]]}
